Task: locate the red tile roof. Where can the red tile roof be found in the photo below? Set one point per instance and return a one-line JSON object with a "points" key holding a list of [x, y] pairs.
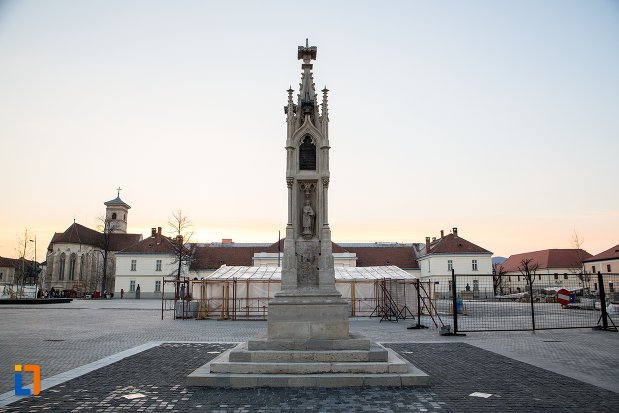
{"points": [[401, 256], [79, 234], [14, 262], [118, 242], [213, 256], [547, 259], [152, 245], [610, 254], [452, 244]]}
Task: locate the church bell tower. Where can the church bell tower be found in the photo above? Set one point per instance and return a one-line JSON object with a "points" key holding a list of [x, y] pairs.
{"points": [[116, 212]]}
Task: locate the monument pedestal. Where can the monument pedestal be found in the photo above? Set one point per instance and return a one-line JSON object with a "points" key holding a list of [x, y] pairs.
{"points": [[308, 314], [354, 361]]}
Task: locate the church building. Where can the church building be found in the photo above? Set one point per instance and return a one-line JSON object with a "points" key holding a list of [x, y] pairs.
{"points": [[76, 257]]}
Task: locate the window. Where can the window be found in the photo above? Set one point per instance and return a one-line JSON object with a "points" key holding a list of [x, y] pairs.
{"points": [[593, 269], [114, 215], [158, 267], [63, 257], [611, 287], [81, 267], [474, 265], [539, 276], [72, 267], [518, 278], [1, 274], [450, 265], [134, 264], [595, 286], [307, 155], [157, 286], [565, 276], [475, 285], [556, 276], [509, 278], [132, 285], [607, 267], [429, 270]]}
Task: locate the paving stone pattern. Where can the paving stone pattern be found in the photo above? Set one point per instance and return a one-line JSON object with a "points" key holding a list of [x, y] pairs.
{"points": [[160, 374], [456, 369]]}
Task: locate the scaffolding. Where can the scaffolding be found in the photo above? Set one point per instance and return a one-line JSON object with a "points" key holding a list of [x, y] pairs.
{"points": [[243, 293]]}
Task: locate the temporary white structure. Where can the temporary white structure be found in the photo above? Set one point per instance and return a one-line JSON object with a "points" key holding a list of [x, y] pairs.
{"points": [[243, 292]]}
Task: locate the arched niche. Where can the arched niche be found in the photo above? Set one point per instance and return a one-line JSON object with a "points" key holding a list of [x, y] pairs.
{"points": [[307, 154]]}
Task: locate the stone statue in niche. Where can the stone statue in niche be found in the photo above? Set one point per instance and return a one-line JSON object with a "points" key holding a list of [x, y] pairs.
{"points": [[308, 220]]}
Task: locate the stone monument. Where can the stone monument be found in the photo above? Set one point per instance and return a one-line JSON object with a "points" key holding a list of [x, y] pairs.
{"points": [[308, 343], [308, 306]]}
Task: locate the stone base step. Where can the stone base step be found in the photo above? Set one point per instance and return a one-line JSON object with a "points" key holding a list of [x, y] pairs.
{"points": [[242, 354], [413, 377], [353, 343], [393, 364]]}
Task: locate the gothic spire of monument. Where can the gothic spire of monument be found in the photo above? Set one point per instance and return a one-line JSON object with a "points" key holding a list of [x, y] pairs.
{"points": [[306, 99]]}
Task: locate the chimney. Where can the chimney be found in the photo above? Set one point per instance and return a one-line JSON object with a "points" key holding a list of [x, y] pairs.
{"points": [[442, 233], [158, 235], [153, 231], [433, 239], [455, 230], [226, 241], [427, 244]]}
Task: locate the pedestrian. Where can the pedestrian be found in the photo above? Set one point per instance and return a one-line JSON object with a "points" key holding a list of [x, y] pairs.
{"points": [[122, 293]]}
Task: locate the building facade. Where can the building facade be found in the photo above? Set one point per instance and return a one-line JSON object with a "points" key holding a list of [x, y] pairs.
{"points": [[146, 266], [77, 257], [439, 256], [607, 263]]}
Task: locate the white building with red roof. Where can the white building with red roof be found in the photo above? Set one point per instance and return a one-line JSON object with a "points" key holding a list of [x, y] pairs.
{"points": [[145, 265], [606, 262], [553, 268], [440, 255]]}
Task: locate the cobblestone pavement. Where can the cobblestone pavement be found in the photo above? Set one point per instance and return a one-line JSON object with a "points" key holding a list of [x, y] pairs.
{"points": [[62, 337], [456, 369]]}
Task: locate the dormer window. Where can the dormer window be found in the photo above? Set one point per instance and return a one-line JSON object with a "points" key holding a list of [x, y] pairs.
{"points": [[307, 155]]}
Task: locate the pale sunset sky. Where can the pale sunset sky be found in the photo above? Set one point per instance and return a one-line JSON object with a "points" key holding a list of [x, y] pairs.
{"points": [[500, 118]]}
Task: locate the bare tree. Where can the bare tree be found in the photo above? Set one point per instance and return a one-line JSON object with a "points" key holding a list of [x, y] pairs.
{"points": [[577, 268], [182, 231], [23, 250], [528, 268], [498, 272], [106, 227]]}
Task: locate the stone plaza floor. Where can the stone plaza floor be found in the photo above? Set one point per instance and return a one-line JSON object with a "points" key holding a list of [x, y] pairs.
{"points": [[94, 353]]}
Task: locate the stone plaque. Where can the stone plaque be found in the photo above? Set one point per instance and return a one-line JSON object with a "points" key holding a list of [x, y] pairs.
{"points": [[307, 264]]}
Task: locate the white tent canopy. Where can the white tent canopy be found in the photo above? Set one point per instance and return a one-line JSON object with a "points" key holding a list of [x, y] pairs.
{"points": [[246, 291], [228, 273]]}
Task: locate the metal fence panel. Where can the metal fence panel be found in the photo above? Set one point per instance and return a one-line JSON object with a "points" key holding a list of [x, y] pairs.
{"points": [[479, 308]]}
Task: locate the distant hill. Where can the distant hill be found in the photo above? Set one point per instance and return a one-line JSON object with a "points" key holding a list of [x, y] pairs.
{"points": [[498, 260]]}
